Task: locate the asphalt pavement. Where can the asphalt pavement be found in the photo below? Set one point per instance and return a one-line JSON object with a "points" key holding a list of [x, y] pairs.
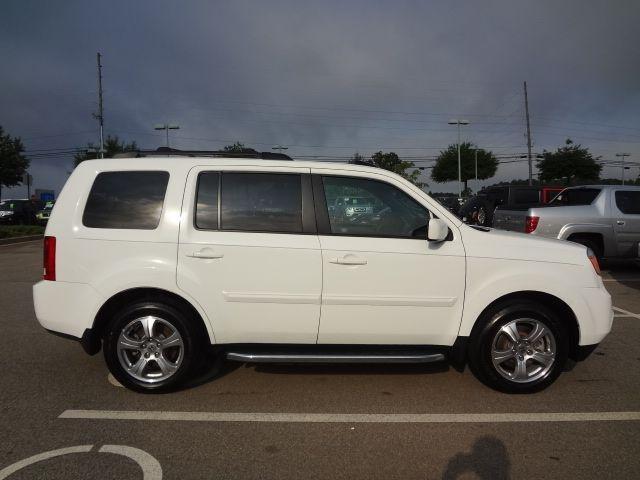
{"points": [[61, 417]]}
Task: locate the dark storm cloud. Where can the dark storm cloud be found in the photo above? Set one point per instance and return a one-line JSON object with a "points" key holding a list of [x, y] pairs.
{"points": [[326, 78]]}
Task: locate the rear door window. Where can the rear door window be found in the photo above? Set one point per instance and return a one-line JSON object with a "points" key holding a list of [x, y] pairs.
{"points": [[127, 200], [207, 201], [628, 202], [261, 202]]}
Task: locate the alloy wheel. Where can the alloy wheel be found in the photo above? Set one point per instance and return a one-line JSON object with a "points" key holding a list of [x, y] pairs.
{"points": [[150, 349], [523, 350]]}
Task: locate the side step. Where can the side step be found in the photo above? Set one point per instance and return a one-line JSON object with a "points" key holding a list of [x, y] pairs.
{"points": [[333, 357]]}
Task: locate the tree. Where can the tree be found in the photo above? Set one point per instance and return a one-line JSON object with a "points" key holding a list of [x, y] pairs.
{"points": [[13, 163], [568, 164], [446, 167], [237, 147], [112, 146], [390, 161]]}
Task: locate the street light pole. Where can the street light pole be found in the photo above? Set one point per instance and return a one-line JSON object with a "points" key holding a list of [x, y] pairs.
{"points": [[476, 155], [166, 127], [623, 163], [279, 148], [458, 123]]}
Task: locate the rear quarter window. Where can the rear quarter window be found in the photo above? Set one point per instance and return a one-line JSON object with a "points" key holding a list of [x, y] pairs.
{"points": [[127, 200]]}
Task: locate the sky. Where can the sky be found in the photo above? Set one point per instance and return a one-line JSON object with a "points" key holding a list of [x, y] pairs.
{"points": [[326, 79]]}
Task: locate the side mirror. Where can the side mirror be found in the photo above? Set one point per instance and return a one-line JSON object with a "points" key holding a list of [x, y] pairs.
{"points": [[438, 230]]}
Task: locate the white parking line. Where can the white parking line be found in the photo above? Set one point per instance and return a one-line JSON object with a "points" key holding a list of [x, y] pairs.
{"points": [[351, 417], [621, 279], [625, 313]]}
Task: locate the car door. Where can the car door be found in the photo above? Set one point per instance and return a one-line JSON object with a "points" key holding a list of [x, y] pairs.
{"points": [[625, 207], [383, 283], [249, 253]]}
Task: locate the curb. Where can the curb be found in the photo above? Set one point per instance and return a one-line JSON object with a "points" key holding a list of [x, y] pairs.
{"points": [[27, 238]]}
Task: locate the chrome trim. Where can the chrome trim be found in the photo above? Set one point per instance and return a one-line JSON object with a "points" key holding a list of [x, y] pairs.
{"points": [[332, 358]]}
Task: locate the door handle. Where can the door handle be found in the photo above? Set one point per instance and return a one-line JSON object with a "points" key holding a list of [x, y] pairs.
{"points": [[620, 222], [204, 254], [348, 260]]}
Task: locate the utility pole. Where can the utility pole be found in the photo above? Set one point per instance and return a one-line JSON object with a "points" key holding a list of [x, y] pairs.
{"points": [[526, 109], [623, 163], [100, 115], [476, 155]]}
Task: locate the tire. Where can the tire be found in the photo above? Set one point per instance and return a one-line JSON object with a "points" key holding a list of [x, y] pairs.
{"points": [[160, 365], [485, 214], [542, 359]]}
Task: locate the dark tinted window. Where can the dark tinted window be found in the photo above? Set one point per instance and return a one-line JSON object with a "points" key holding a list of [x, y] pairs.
{"points": [[126, 200], [526, 196], [498, 195], [628, 202], [358, 206], [579, 196], [207, 201], [263, 202]]}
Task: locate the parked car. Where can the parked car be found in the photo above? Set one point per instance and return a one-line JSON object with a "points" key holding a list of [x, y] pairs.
{"points": [[42, 217], [604, 218], [158, 261], [19, 211], [479, 209], [353, 206]]}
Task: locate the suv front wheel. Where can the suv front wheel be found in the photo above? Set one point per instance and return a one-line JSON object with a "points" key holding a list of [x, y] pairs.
{"points": [[151, 346], [518, 347]]}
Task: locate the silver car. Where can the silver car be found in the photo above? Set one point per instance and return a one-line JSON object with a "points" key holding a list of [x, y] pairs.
{"points": [[605, 218]]}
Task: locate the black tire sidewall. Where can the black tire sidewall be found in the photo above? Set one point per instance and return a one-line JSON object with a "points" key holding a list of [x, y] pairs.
{"points": [[177, 318], [485, 331]]}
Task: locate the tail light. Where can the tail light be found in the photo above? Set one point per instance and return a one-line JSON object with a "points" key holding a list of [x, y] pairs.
{"points": [[594, 260], [531, 223], [49, 258]]}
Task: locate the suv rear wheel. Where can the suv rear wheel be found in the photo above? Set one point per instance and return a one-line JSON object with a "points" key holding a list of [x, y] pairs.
{"points": [[518, 347], [151, 346]]}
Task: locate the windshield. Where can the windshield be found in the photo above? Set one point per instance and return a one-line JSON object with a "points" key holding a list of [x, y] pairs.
{"points": [[577, 196]]}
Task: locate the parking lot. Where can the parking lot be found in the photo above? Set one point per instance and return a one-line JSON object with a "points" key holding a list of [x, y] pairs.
{"points": [[310, 421]]}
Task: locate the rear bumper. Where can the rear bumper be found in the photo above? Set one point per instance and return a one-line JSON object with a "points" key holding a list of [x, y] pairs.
{"points": [[64, 307]]}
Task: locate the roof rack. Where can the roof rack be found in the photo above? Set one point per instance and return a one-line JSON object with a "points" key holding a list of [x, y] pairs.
{"points": [[171, 152]]}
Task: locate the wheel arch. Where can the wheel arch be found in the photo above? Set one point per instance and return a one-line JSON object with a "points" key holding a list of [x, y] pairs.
{"points": [[559, 306], [116, 301]]}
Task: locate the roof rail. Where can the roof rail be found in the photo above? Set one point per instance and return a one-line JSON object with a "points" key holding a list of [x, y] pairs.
{"points": [[171, 152]]}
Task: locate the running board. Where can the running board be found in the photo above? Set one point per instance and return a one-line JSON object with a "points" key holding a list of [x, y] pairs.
{"points": [[333, 358]]}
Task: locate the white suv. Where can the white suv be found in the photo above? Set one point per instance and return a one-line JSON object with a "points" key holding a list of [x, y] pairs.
{"points": [[161, 261]]}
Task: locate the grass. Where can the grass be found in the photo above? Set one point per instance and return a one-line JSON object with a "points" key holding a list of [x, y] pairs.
{"points": [[9, 231]]}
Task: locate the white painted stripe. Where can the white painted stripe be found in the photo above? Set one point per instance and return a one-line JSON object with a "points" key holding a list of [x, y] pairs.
{"points": [[351, 417], [388, 301], [625, 312], [151, 469], [269, 297], [5, 472], [621, 279]]}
